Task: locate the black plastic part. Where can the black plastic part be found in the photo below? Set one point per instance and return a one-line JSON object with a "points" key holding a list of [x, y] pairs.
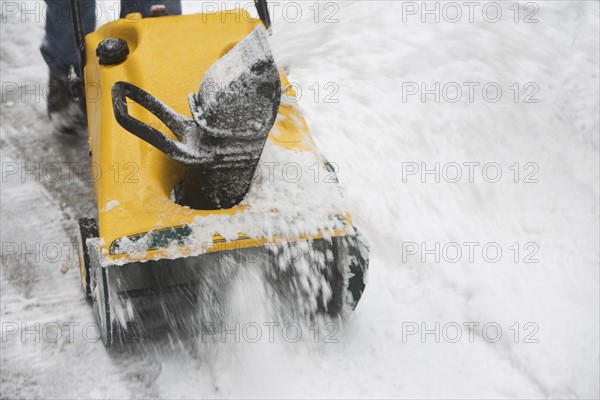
{"points": [[112, 51], [76, 88], [358, 267], [102, 305], [207, 184], [263, 12], [79, 35], [88, 229], [175, 122]]}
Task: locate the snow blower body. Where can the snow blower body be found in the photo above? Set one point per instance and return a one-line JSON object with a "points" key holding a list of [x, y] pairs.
{"points": [[188, 119]]}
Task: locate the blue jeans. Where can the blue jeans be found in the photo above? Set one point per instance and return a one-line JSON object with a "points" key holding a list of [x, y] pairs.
{"points": [[58, 48]]}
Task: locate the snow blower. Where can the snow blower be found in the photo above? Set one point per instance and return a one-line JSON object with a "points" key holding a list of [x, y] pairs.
{"points": [[204, 166]]}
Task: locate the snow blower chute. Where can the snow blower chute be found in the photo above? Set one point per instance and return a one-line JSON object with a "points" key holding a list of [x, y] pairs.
{"points": [[202, 160]]}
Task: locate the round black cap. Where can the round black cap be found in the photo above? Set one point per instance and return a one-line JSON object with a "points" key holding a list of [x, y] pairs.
{"points": [[112, 51]]}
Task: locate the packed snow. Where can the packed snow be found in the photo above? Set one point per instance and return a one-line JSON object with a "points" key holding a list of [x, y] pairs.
{"points": [[481, 209]]}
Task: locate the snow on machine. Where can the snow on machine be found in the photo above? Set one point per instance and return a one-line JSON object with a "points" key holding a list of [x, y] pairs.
{"points": [[205, 167]]}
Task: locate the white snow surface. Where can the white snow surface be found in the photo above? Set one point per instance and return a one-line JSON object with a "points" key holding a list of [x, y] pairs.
{"points": [[369, 56]]}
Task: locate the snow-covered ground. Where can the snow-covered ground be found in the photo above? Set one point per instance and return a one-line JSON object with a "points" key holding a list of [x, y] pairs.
{"points": [[368, 61]]}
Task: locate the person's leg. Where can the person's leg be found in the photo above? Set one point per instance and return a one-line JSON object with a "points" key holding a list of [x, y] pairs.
{"points": [[60, 53], [58, 47], [144, 6]]}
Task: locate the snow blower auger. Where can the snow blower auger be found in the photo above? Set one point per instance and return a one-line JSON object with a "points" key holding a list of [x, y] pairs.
{"points": [[192, 188]]}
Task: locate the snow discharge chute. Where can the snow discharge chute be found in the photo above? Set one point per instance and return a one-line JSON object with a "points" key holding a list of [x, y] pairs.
{"points": [[232, 115]]}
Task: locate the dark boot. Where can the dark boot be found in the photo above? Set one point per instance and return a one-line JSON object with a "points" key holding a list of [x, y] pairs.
{"points": [[67, 114]]}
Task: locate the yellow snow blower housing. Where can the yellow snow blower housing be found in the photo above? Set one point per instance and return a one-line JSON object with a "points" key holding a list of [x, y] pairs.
{"points": [[204, 165]]}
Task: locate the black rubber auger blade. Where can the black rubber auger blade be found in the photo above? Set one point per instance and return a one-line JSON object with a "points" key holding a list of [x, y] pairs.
{"points": [[175, 297]]}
